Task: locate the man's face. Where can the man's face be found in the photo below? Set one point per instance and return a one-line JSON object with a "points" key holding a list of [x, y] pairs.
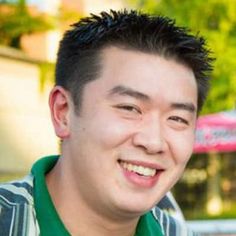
{"points": [[134, 134]]}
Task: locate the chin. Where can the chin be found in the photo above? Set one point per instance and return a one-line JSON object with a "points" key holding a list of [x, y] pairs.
{"points": [[137, 208]]}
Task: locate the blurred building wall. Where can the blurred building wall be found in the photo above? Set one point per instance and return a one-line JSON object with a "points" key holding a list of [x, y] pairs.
{"points": [[26, 132]]}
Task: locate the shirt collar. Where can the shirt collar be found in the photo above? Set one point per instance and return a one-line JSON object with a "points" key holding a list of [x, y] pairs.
{"points": [[47, 216]]}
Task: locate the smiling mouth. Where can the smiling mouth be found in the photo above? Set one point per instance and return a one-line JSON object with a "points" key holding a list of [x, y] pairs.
{"points": [[139, 169]]}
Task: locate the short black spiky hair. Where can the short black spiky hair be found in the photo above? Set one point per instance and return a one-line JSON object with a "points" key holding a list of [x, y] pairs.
{"points": [[80, 48]]}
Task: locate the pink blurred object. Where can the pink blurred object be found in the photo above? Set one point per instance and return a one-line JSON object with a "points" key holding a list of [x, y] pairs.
{"points": [[216, 132]]}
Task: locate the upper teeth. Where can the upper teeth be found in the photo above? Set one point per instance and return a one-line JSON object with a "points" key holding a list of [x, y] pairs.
{"points": [[146, 171]]}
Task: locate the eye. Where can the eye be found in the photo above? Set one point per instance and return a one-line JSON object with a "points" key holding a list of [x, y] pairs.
{"points": [[129, 108], [179, 119]]}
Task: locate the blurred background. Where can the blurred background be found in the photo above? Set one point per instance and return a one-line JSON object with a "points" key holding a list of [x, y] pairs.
{"points": [[30, 31]]}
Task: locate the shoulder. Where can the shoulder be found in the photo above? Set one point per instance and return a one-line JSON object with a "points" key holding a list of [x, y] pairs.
{"points": [[17, 192], [170, 217], [17, 213], [171, 225]]}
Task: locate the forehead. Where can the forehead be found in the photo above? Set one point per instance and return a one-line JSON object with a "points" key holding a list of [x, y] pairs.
{"points": [[157, 77]]}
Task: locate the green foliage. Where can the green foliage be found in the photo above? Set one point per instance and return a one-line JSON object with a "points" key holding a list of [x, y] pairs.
{"points": [[216, 21], [68, 16], [15, 21], [47, 74]]}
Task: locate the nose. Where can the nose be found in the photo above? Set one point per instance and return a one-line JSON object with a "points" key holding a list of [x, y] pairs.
{"points": [[150, 137]]}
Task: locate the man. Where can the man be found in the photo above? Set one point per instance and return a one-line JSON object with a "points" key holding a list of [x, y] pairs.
{"points": [[128, 90]]}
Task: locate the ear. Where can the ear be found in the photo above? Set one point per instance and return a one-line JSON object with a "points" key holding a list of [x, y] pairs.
{"points": [[59, 106]]}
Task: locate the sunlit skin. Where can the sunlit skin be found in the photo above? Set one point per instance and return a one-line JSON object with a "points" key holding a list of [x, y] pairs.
{"points": [[141, 111]]}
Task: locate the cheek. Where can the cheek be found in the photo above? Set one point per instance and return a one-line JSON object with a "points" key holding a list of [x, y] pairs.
{"points": [[109, 131], [182, 147]]}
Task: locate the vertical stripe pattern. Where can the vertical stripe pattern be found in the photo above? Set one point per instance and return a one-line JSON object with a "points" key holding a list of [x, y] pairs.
{"points": [[17, 213]]}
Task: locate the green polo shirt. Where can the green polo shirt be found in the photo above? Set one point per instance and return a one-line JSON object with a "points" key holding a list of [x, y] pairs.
{"points": [[49, 221]]}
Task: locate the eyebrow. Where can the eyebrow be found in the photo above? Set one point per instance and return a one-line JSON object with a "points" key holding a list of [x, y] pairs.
{"points": [[123, 90], [184, 106]]}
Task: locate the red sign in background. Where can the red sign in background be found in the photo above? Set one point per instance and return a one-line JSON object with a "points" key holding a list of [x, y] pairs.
{"points": [[216, 132]]}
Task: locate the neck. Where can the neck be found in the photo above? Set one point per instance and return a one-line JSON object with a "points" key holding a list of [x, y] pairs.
{"points": [[76, 214]]}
